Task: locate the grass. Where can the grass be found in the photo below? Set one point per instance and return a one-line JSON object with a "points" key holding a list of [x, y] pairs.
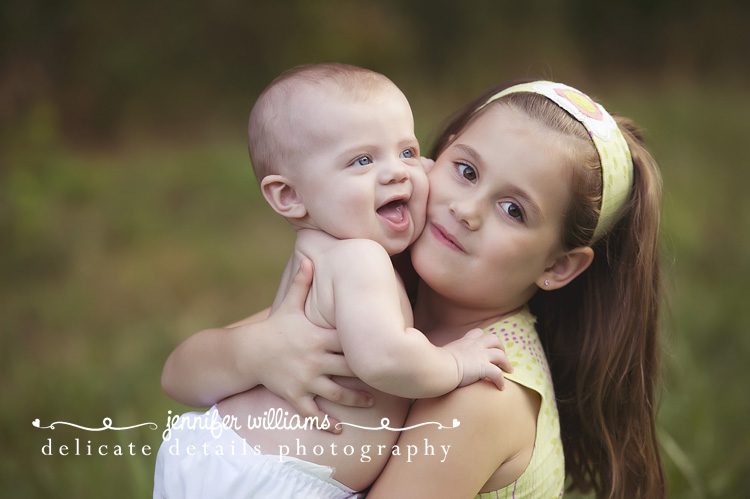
{"points": [[109, 261], [110, 258]]}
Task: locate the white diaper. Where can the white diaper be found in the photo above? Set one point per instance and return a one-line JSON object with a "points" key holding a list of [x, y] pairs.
{"points": [[201, 464]]}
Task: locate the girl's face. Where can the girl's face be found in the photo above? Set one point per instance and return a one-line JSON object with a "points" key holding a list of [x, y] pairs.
{"points": [[495, 211]]}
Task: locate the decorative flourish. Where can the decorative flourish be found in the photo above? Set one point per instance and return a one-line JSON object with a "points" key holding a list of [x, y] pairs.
{"points": [[106, 421], [385, 425]]}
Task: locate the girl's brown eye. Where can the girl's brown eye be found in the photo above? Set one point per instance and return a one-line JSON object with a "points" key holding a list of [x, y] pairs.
{"points": [[467, 172], [512, 209]]}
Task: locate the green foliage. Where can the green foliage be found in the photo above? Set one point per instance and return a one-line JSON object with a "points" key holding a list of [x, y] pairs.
{"points": [[109, 260], [108, 66]]}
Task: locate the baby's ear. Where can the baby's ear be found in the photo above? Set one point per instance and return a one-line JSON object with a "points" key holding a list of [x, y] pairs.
{"points": [[282, 197]]}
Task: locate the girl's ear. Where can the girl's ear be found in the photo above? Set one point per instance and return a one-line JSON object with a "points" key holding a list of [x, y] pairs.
{"points": [[566, 267], [282, 197]]}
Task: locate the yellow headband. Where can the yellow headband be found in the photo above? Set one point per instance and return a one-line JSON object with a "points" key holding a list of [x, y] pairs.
{"points": [[614, 154]]}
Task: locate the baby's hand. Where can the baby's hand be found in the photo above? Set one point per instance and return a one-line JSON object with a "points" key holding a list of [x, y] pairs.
{"points": [[478, 356]]}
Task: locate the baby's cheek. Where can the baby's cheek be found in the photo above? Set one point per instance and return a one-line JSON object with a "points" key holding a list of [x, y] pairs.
{"points": [[422, 192], [418, 223], [427, 163]]}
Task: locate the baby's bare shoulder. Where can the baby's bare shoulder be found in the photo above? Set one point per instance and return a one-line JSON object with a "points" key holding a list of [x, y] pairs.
{"points": [[359, 250]]}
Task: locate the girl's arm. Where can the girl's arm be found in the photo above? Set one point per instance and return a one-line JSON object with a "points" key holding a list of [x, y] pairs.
{"points": [[489, 449], [284, 351]]}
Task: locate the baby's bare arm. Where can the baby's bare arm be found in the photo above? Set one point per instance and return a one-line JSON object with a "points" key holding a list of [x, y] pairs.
{"points": [[383, 349]]}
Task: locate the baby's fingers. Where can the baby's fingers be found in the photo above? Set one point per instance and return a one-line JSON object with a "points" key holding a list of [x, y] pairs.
{"points": [[493, 341], [475, 333], [495, 374], [499, 358]]}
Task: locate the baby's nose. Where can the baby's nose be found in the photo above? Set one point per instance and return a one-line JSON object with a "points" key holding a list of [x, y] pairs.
{"points": [[394, 172]]}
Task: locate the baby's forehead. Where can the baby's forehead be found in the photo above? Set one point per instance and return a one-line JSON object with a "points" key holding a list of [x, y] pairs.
{"points": [[315, 115], [351, 92], [316, 109]]}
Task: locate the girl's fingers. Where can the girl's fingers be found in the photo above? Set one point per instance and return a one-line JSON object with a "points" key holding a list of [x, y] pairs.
{"points": [[300, 287], [336, 365], [330, 390]]}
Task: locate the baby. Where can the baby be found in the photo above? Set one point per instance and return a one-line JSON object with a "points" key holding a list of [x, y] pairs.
{"points": [[334, 150]]}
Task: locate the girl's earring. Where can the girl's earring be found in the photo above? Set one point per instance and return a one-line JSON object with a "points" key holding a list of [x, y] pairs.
{"points": [[546, 282]]}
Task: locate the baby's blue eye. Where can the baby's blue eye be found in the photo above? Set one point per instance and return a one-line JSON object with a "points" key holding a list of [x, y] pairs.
{"points": [[407, 153], [363, 161], [467, 172]]}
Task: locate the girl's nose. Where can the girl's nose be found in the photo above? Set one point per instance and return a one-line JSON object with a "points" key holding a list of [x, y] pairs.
{"points": [[466, 212]]}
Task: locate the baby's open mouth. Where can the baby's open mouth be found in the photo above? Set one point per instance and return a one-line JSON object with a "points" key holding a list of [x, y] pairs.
{"points": [[393, 211]]}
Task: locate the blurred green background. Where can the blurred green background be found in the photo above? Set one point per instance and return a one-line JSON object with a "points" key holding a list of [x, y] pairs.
{"points": [[129, 216]]}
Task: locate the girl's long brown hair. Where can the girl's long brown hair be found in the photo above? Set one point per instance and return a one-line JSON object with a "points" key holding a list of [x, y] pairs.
{"points": [[600, 332]]}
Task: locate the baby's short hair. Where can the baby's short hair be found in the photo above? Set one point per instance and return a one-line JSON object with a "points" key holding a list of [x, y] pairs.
{"points": [[270, 125]]}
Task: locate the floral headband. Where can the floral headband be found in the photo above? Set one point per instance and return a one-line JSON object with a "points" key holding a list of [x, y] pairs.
{"points": [[614, 155]]}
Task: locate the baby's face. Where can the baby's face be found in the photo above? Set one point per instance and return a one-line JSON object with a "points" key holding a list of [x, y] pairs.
{"points": [[362, 176]]}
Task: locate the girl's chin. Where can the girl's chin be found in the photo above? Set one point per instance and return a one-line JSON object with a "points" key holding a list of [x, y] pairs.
{"points": [[426, 263]]}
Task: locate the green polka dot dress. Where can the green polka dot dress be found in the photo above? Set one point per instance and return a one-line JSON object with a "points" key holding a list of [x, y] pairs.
{"points": [[545, 475]]}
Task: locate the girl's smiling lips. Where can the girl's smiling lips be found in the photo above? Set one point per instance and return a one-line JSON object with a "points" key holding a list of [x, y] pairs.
{"points": [[445, 237]]}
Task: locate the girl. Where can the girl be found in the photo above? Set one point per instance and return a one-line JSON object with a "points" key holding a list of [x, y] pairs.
{"points": [[542, 227]]}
